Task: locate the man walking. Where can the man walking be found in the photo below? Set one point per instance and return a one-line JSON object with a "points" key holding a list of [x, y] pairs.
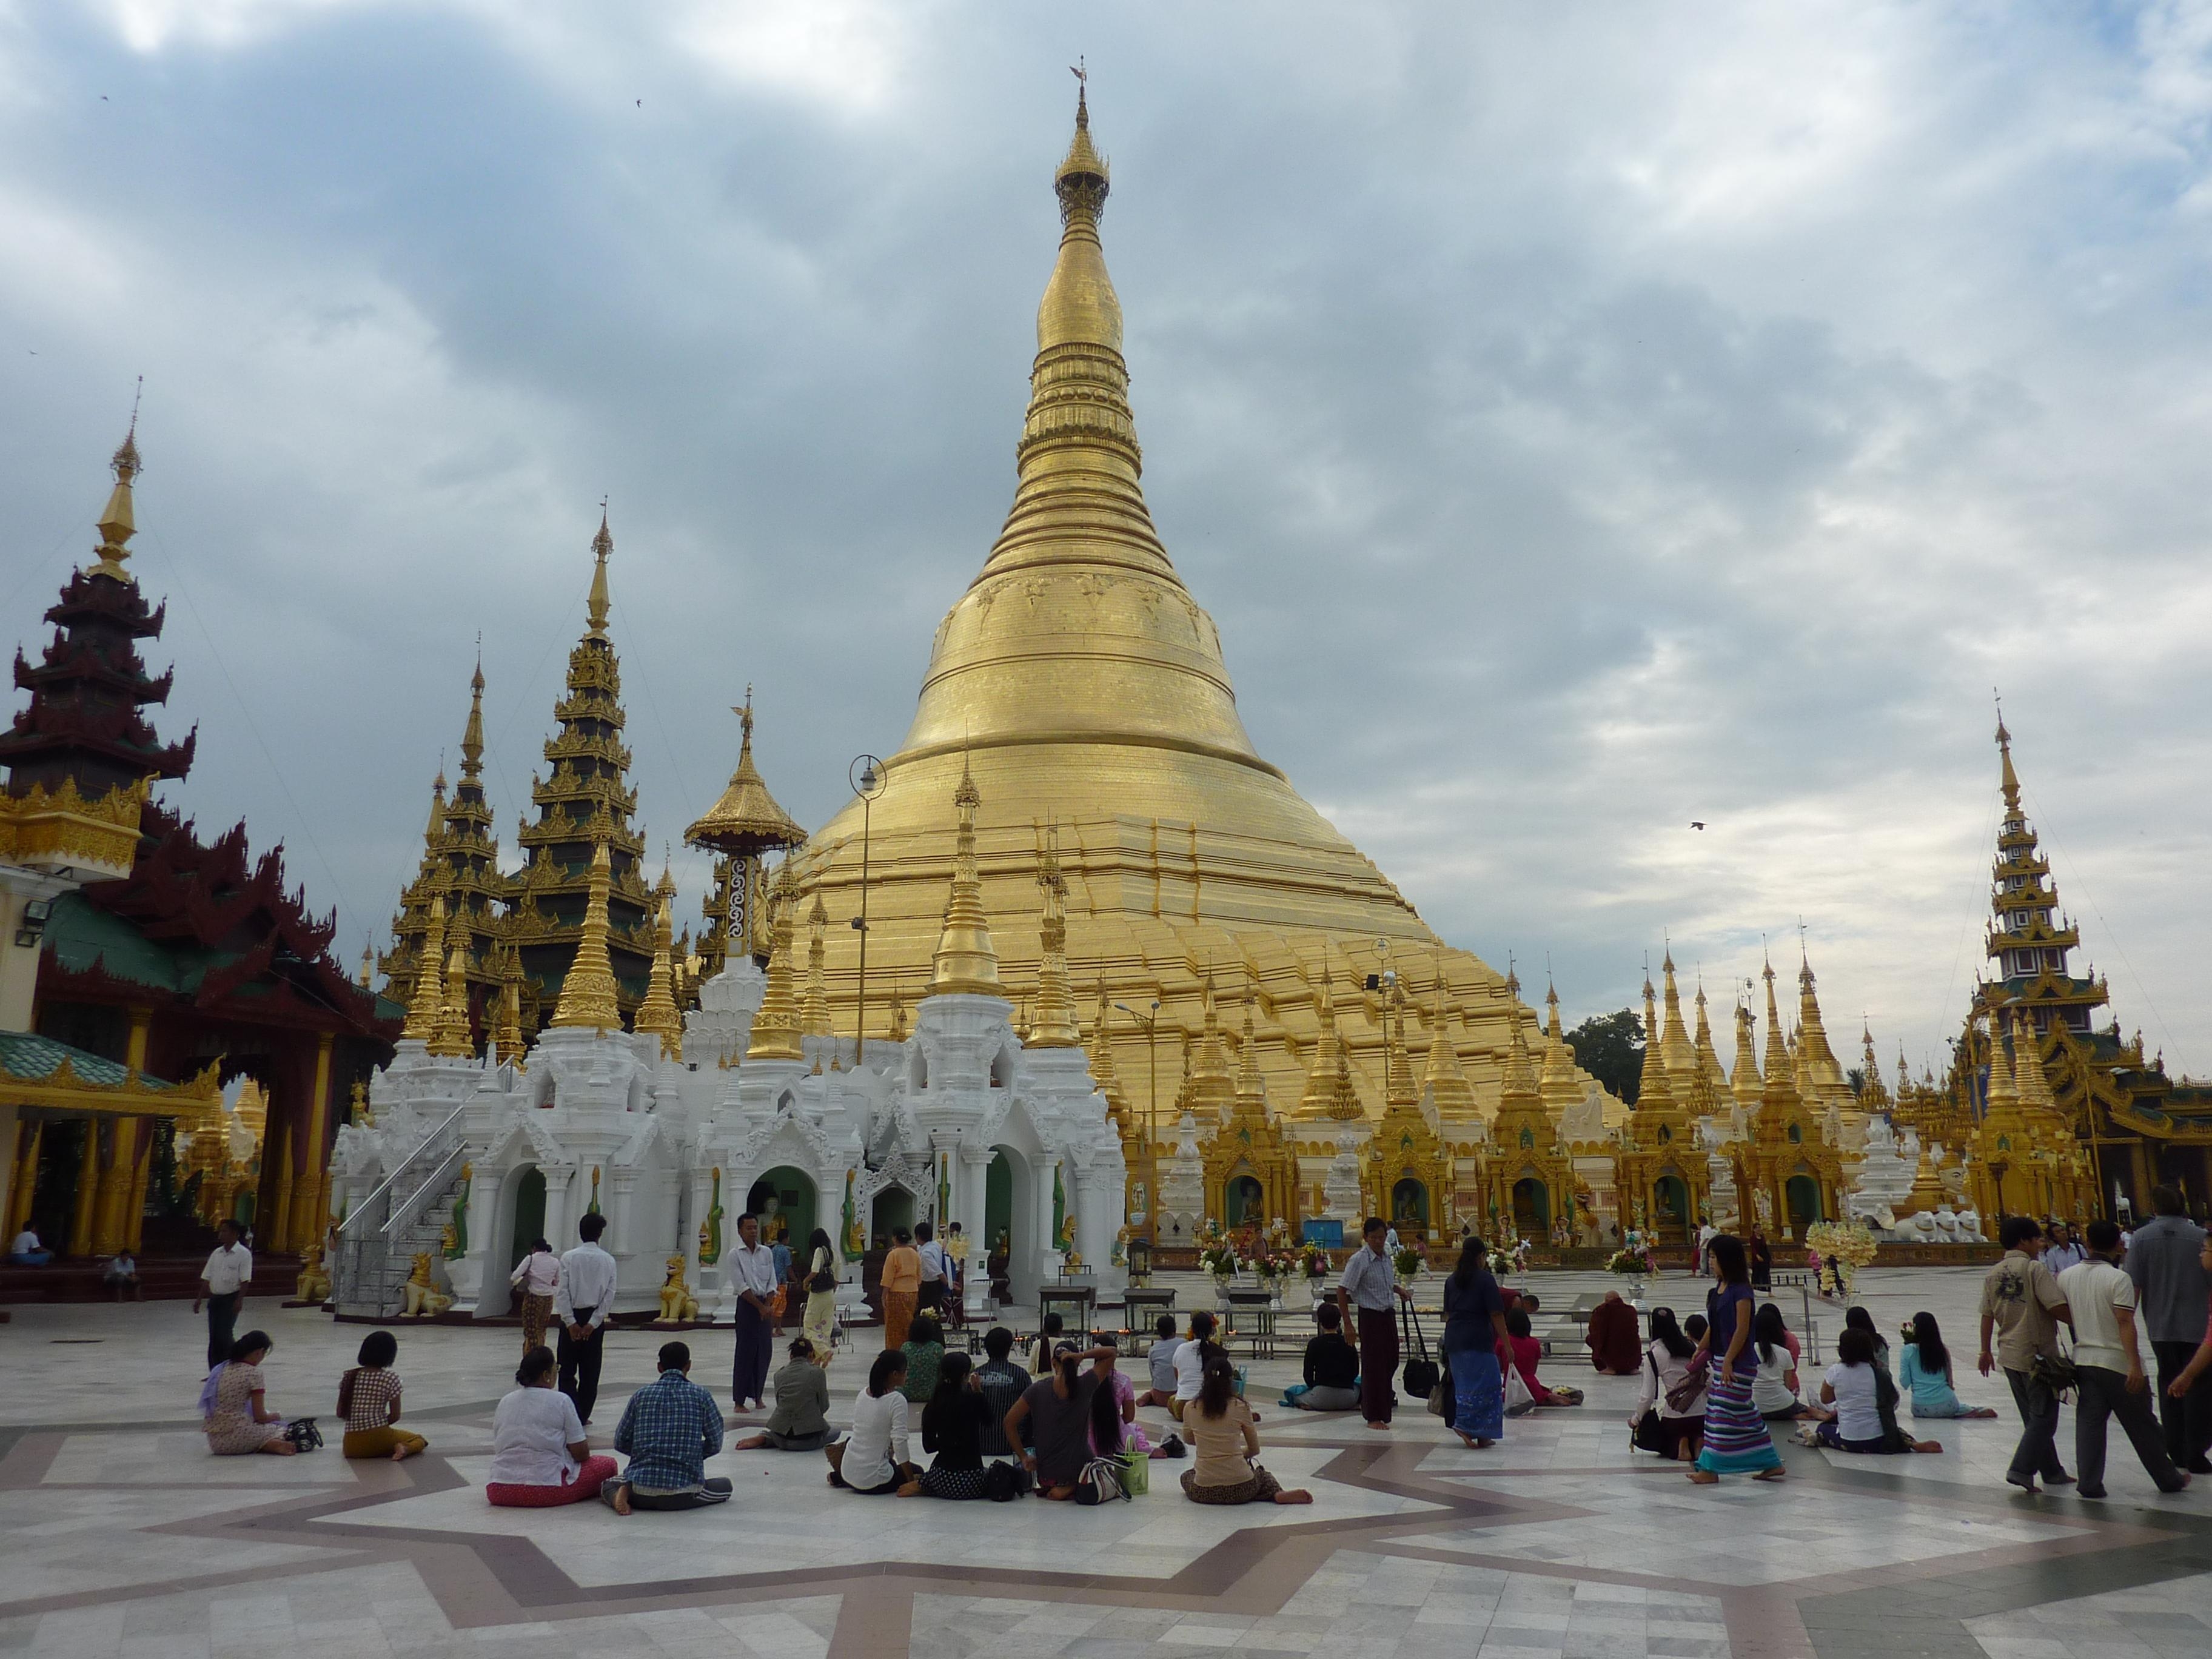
{"points": [[2022, 1304], [1366, 1288], [2162, 1260], [229, 1270], [582, 1299], [2060, 1252], [2108, 1366], [750, 1270]]}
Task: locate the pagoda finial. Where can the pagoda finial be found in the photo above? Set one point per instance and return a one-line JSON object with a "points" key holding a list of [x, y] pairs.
{"points": [[967, 964], [1054, 1026], [588, 992], [427, 999], [1519, 1082], [1445, 1081], [507, 1040], [657, 1014], [814, 1004], [454, 1039], [472, 734], [603, 544], [2007, 779], [1653, 1091], [116, 524], [367, 966], [775, 1028], [1251, 1092], [1744, 1081]]}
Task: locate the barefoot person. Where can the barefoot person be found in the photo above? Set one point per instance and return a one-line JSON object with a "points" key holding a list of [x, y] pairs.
{"points": [[1736, 1441], [668, 1431], [368, 1401], [236, 1415], [540, 1457], [1224, 1442], [1365, 1289]]}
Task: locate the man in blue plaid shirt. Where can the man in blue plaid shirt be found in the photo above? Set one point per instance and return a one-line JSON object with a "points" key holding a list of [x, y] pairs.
{"points": [[668, 1431]]}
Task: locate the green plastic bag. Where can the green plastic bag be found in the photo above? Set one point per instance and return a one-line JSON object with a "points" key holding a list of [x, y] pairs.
{"points": [[1136, 1473]]}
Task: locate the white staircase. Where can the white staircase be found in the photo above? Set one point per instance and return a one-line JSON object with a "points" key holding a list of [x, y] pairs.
{"points": [[405, 1215]]}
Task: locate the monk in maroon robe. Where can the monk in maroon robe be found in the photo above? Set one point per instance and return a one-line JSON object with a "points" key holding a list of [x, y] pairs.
{"points": [[1615, 1344]]}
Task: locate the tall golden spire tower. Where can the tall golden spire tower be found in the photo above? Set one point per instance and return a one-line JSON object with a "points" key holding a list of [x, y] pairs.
{"points": [[814, 1007], [659, 1014], [967, 962], [1445, 1081], [1078, 681], [1054, 1024], [587, 990], [1675, 1050], [775, 1028]]}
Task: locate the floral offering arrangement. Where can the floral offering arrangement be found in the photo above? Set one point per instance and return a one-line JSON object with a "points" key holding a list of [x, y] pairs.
{"points": [[1835, 1251], [1313, 1261], [1408, 1262], [1500, 1259], [1219, 1258], [1635, 1258], [1270, 1265]]}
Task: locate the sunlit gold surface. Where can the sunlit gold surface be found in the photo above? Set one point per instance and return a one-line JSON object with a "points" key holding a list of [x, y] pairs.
{"points": [[1085, 687]]}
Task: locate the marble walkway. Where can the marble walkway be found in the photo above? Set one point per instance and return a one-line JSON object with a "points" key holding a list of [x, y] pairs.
{"points": [[123, 1540]]}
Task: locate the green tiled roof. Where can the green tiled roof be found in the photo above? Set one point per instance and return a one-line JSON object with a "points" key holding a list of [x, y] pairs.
{"points": [[30, 1058], [81, 936]]}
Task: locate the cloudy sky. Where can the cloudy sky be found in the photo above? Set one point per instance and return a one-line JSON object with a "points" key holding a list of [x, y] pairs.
{"points": [[1579, 420]]}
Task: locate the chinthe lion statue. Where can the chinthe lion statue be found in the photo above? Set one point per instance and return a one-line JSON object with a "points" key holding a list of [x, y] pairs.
{"points": [[422, 1296], [677, 1302], [314, 1286]]}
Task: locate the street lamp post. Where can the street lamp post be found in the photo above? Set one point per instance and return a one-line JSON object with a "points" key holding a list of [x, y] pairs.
{"points": [[867, 774], [1151, 1023]]}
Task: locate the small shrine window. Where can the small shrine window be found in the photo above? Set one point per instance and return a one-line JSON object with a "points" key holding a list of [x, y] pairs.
{"points": [[1797, 1135]]}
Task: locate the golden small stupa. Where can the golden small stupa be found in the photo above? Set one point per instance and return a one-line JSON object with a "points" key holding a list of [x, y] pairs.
{"points": [[1082, 687]]}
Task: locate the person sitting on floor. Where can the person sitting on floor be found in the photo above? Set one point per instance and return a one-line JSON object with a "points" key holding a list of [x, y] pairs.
{"points": [[539, 1456], [668, 1431], [1923, 1371], [121, 1279], [1120, 1398], [1519, 1350], [1049, 1338], [800, 1421], [1056, 1411], [28, 1252], [1160, 1362], [952, 1427], [1864, 1320], [1614, 1350], [872, 1460], [1774, 1384], [235, 1414], [1225, 1441], [1004, 1381], [1670, 1362], [1853, 1387], [368, 1401], [924, 1349], [1332, 1367], [1190, 1363]]}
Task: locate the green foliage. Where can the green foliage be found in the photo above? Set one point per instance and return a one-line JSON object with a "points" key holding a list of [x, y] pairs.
{"points": [[1610, 1048]]}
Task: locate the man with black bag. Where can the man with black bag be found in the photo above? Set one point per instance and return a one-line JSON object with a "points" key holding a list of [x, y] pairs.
{"points": [[1366, 1288]]}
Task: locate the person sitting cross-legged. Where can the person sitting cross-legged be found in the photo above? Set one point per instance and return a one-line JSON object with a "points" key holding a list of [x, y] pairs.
{"points": [[1225, 1441], [539, 1456], [668, 1431], [800, 1421], [1332, 1367]]}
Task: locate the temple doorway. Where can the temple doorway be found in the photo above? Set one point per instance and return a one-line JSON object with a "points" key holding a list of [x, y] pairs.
{"points": [[1009, 1221], [1243, 1202], [1409, 1205], [527, 1184], [1804, 1195], [784, 1200], [893, 1209], [1670, 1202], [1531, 1208]]}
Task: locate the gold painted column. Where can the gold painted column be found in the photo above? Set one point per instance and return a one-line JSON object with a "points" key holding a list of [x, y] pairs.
{"points": [[311, 1215], [28, 1139], [134, 1215], [276, 1239], [107, 1229], [87, 1188]]}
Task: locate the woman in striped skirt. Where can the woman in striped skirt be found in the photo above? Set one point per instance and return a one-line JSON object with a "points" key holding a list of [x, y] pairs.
{"points": [[1736, 1441]]}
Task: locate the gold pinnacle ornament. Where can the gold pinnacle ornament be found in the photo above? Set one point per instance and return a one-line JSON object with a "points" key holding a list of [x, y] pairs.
{"points": [[588, 992]]}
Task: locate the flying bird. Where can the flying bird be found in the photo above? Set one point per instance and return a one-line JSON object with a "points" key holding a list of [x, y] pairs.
{"points": [[1697, 824]]}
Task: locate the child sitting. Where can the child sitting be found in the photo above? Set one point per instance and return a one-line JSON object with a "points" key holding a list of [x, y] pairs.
{"points": [[1332, 1367]]}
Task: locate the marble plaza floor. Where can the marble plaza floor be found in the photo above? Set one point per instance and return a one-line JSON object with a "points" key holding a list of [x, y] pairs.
{"points": [[123, 1540]]}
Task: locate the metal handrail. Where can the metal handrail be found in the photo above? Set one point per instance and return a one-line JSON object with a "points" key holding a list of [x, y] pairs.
{"points": [[412, 1205], [383, 1187]]}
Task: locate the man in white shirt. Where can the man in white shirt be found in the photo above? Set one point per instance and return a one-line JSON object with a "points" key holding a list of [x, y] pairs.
{"points": [[582, 1299], [2062, 1252], [749, 1269], [1365, 1288], [28, 1252], [1191, 1364], [932, 1267], [229, 1270], [2108, 1367]]}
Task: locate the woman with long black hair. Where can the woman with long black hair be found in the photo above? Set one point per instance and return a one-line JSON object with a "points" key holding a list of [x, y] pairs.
{"points": [[1475, 1324], [1670, 1362], [1924, 1370], [872, 1460], [1225, 1441], [1057, 1408], [952, 1427], [1736, 1441], [819, 1322]]}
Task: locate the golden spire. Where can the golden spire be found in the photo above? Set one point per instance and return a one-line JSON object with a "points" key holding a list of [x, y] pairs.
{"points": [[1744, 1081], [1251, 1092], [1654, 1093], [775, 1028], [1054, 1025], [814, 1005], [472, 734], [588, 992], [1213, 1082], [2008, 779], [1101, 1046], [1674, 1049], [2004, 1092], [897, 1031], [1780, 1089], [367, 966], [1557, 1085], [116, 524], [1329, 1091], [453, 1040], [1446, 1083], [435, 831], [1520, 1080], [658, 1013], [428, 1001], [596, 607], [966, 963], [1823, 1075], [2032, 1081], [507, 1040], [1709, 1059], [746, 817]]}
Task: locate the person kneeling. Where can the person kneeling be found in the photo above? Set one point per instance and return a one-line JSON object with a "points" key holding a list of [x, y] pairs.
{"points": [[668, 1431], [872, 1460], [800, 1421], [1223, 1437], [1853, 1387], [1331, 1368], [368, 1401], [540, 1457], [952, 1426]]}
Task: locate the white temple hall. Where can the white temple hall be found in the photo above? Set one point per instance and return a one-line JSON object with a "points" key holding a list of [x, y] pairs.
{"points": [[458, 1161]]}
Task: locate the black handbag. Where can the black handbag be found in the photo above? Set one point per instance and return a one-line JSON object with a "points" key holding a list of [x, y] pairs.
{"points": [[1421, 1373], [824, 1279]]}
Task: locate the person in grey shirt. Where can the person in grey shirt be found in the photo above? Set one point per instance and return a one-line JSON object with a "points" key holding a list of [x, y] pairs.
{"points": [[2171, 1287]]}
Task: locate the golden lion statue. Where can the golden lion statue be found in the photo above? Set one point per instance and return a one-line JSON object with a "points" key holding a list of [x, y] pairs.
{"points": [[422, 1296], [314, 1283], [677, 1302]]}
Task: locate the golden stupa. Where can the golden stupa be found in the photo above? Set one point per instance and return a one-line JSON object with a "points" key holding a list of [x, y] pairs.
{"points": [[1083, 690]]}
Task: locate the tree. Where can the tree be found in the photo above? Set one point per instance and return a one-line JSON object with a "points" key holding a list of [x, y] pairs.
{"points": [[1610, 1048], [1855, 1081]]}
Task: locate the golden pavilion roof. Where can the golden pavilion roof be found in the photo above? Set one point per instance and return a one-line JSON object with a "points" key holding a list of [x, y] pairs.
{"points": [[746, 819]]}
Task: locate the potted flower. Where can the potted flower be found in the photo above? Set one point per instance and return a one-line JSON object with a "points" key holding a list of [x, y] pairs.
{"points": [[1218, 1256], [1408, 1262], [1500, 1259], [1633, 1261]]}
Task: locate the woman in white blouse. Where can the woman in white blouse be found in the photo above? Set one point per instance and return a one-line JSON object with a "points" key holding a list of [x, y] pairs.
{"points": [[1667, 1366], [872, 1460], [540, 1457]]}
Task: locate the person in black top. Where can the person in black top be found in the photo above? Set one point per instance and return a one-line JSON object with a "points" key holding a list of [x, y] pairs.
{"points": [[952, 1426], [1332, 1366]]}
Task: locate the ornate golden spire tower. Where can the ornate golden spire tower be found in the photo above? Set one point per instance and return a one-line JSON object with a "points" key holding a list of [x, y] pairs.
{"points": [[1744, 1080], [453, 1040], [745, 824], [775, 1028], [587, 990], [1709, 1059], [1445, 1082], [1675, 1050], [1054, 1026], [583, 806], [967, 962], [1080, 681], [657, 1014], [1329, 1091], [814, 1007], [507, 1040], [1561, 1086], [1212, 1091], [428, 1001], [1824, 1078]]}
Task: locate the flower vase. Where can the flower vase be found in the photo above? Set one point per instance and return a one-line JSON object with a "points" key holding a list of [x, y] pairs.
{"points": [[1635, 1288], [465, 1275], [1222, 1282]]}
